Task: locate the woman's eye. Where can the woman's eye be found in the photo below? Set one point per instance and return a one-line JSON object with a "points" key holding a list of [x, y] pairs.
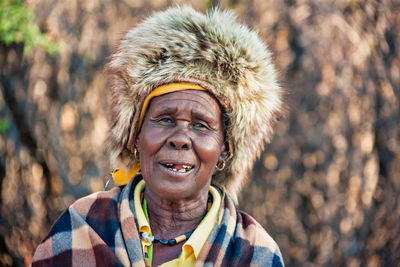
{"points": [[165, 120], [200, 125]]}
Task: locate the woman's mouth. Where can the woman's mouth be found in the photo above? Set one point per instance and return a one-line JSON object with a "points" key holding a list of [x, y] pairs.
{"points": [[181, 168]]}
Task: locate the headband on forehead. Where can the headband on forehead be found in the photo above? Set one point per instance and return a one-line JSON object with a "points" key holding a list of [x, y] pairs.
{"points": [[162, 90], [119, 175]]}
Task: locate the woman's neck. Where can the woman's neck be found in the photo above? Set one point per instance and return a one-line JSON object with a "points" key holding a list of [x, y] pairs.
{"points": [[169, 219]]}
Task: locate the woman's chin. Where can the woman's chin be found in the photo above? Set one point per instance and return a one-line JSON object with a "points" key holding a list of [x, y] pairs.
{"points": [[173, 185], [174, 194], [176, 191]]}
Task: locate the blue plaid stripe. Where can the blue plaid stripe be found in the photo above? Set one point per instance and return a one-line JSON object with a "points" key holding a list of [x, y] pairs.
{"points": [[265, 257], [242, 246]]}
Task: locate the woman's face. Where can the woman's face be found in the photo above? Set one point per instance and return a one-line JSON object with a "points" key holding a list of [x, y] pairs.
{"points": [[180, 142]]}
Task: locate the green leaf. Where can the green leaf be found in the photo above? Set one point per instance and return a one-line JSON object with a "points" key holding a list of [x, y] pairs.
{"points": [[17, 25], [3, 126]]}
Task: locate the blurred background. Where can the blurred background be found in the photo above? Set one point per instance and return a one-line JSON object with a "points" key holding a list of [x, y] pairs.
{"points": [[327, 188]]}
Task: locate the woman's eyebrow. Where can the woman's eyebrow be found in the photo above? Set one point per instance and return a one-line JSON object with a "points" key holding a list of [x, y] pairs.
{"points": [[164, 109], [202, 114]]}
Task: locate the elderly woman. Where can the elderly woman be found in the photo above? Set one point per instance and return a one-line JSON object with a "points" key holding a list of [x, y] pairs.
{"points": [[194, 97]]}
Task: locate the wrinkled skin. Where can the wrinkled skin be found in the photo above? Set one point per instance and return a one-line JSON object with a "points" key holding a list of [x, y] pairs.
{"points": [[181, 128]]}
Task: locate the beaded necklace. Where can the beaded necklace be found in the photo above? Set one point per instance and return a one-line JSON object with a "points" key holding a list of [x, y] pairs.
{"points": [[171, 242]]}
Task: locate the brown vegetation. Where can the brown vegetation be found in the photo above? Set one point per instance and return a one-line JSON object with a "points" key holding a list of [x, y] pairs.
{"points": [[327, 188]]}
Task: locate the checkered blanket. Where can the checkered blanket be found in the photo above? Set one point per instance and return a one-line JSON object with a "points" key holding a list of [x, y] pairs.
{"points": [[100, 230]]}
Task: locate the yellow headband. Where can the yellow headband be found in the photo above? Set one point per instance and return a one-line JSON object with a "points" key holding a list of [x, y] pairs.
{"points": [[162, 90], [119, 175]]}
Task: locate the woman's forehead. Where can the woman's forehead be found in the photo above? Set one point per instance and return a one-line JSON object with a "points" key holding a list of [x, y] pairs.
{"points": [[202, 98]]}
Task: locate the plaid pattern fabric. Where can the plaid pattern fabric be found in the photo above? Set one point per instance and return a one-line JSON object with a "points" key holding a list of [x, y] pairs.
{"points": [[101, 230]]}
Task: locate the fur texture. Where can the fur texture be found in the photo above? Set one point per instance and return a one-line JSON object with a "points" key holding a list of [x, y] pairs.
{"points": [[212, 50]]}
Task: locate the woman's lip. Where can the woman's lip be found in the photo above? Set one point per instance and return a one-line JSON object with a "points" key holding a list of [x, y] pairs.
{"points": [[176, 163], [171, 172]]}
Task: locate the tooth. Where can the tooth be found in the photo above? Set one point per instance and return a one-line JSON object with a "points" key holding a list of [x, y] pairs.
{"points": [[187, 167], [175, 170], [182, 170]]}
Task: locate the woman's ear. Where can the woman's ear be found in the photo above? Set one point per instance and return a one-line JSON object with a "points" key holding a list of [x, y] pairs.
{"points": [[224, 154], [137, 142]]}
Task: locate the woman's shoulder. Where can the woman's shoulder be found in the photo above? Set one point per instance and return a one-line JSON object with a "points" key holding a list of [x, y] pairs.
{"points": [[249, 226], [264, 248], [251, 238], [99, 201], [254, 230], [93, 208], [87, 224]]}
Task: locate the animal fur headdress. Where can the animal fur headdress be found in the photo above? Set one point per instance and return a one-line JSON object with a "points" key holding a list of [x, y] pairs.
{"points": [[213, 51]]}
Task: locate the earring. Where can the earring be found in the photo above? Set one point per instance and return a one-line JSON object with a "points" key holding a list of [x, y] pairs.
{"points": [[222, 167], [135, 154]]}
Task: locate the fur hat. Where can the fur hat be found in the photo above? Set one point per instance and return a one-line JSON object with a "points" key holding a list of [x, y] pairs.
{"points": [[214, 51]]}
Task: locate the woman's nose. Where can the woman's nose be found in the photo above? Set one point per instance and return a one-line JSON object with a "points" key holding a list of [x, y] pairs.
{"points": [[179, 140]]}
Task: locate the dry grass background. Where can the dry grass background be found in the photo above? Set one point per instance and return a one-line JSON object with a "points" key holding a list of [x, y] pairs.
{"points": [[327, 187]]}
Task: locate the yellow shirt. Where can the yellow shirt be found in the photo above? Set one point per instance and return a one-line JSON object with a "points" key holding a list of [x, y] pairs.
{"points": [[193, 246]]}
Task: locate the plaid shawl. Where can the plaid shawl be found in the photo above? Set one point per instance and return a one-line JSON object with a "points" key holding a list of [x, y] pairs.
{"points": [[101, 230]]}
